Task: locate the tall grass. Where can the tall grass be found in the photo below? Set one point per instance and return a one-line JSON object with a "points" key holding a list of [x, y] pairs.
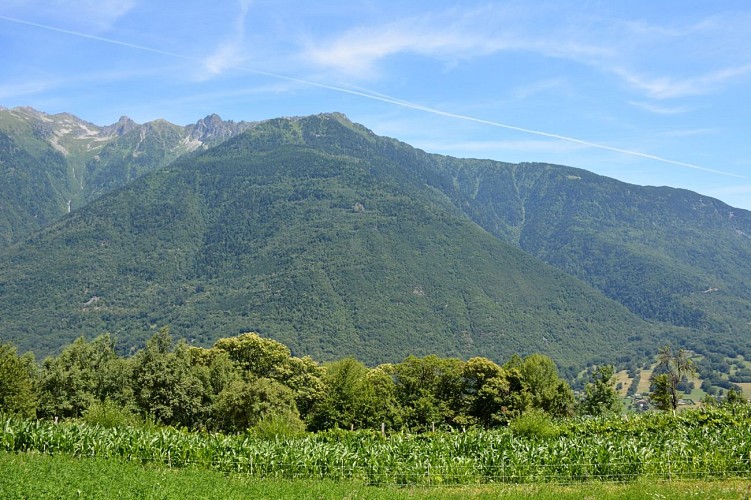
{"points": [[700, 444]]}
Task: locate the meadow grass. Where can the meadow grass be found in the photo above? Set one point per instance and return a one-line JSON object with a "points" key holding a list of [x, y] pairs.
{"points": [[39, 476]]}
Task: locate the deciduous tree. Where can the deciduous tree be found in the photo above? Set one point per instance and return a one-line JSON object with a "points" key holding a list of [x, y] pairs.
{"points": [[600, 396], [17, 388]]}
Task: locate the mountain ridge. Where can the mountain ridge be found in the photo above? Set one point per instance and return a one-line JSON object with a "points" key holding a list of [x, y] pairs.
{"points": [[89, 160], [641, 255]]}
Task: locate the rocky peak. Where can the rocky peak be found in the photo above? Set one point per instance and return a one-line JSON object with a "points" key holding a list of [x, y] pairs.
{"points": [[213, 129], [122, 127]]}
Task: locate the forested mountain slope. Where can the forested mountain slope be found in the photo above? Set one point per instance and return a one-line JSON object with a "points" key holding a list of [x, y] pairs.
{"points": [[280, 231], [669, 255], [336, 241]]}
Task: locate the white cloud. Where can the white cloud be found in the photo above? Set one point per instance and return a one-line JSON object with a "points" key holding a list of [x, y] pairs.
{"points": [[666, 87], [230, 53], [450, 35], [226, 56], [659, 61]]}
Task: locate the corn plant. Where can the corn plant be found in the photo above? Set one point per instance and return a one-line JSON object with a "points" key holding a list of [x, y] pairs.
{"points": [[711, 443]]}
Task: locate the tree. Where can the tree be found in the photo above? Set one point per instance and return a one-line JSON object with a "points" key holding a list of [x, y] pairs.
{"points": [[244, 403], [429, 390], [487, 392], [354, 396], [17, 392], [255, 354], [670, 370], [735, 398], [83, 373], [166, 383], [305, 377], [381, 403], [600, 397], [547, 391]]}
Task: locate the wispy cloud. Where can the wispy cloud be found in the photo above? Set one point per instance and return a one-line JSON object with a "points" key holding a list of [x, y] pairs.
{"points": [[230, 52], [659, 109], [91, 15], [449, 36], [683, 58], [667, 87]]}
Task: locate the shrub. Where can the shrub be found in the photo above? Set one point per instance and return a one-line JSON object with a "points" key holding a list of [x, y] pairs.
{"points": [[279, 424], [109, 414], [534, 423]]}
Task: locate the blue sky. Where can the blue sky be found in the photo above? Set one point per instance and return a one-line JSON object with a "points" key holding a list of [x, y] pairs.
{"points": [[652, 93]]}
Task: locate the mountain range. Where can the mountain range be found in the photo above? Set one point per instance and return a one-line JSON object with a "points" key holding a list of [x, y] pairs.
{"points": [[55, 163], [318, 233]]}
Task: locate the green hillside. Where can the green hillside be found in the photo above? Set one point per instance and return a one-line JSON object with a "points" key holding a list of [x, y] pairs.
{"points": [[318, 233], [329, 253], [30, 190], [669, 255]]}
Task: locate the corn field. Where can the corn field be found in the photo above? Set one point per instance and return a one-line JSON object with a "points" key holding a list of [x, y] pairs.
{"points": [[710, 443]]}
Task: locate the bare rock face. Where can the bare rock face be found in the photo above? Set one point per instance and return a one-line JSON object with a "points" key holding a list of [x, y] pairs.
{"points": [[119, 129], [214, 130]]}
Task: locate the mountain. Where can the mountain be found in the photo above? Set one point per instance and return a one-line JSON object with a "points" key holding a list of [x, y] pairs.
{"points": [[336, 241], [279, 231], [55, 163], [669, 255]]}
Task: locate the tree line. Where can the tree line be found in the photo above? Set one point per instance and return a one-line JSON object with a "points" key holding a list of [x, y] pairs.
{"points": [[249, 381]]}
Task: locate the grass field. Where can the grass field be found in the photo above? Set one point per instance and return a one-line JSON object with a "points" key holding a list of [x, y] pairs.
{"points": [[42, 476]]}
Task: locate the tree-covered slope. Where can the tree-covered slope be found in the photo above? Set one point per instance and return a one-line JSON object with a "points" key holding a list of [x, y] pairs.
{"points": [[33, 191], [279, 231], [669, 255], [319, 233]]}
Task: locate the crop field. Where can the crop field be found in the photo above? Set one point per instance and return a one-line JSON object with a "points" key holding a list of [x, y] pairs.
{"points": [[710, 443]]}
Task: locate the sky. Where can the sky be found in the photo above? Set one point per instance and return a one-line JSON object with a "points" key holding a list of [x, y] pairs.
{"points": [[650, 93]]}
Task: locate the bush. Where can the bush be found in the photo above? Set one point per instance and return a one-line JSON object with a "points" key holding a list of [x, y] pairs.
{"points": [[279, 424], [534, 423], [109, 414]]}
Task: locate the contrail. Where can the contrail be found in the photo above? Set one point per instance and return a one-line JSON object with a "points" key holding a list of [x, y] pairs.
{"points": [[376, 96]]}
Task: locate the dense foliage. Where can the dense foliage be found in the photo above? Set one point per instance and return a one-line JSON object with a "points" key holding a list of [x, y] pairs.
{"points": [[250, 382]]}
